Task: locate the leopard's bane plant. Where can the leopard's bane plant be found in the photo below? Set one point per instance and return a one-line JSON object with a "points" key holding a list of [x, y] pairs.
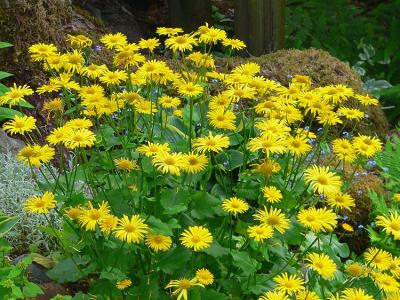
{"points": [[203, 183]]}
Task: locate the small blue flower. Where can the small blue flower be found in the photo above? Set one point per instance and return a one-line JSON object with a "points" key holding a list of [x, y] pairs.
{"points": [[372, 224], [307, 128], [319, 129], [371, 163], [60, 94], [360, 227], [290, 76], [359, 192], [198, 125], [97, 48], [356, 174], [236, 106], [311, 141], [366, 116], [345, 133], [214, 80], [345, 218], [322, 196], [385, 169], [364, 173]]}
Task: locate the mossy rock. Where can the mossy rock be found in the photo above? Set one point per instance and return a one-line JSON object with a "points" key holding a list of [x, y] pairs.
{"points": [[323, 68]]}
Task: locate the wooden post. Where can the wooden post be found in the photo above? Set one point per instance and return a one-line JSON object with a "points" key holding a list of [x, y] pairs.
{"points": [[260, 24], [189, 14]]}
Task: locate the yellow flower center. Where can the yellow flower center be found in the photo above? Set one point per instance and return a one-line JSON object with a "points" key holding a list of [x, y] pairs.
{"points": [[322, 180], [129, 228], [273, 220], [40, 204], [195, 239], [180, 40], [184, 284], [395, 226], [94, 215], [169, 161]]}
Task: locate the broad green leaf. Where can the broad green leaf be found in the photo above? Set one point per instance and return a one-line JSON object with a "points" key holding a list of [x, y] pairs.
{"points": [[216, 250], [25, 104], [174, 260], [16, 291], [5, 45], [4, 75], [65, 271], [159, 227], [9, 113], [202, 205], [230, 159], [243, 260], [31, 290], [6, 223], [174, 201]]}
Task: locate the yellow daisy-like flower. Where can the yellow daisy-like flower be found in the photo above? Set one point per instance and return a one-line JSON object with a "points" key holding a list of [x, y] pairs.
{"points": [[123, 284], [260, 232], [274, 295], [182, 286], [386, 282], [351, 113], [108, 223], [145, 107], [40, 205], [158, 242], [153, 148], [150, 44], [40, 51], [94, 71], [125, 164], [201, 60], [79, 123], [91, 216], [131, 230], [347, 227], [272, 194], [111, 41], [273, 217], [178, 113], [53, 106], [58, 135], [204, 276], [298, 145], [212, 36], [356, 270], [79, 138], [235, 206], [322, 264], [366, 100], [20, 125], [79, 41], [366, 145], [340, 201], [235, 93], [378, 258], [189, 89], [73, 61], [355, 294], [396, 197], [336, 93], [307, 295], [328, 117], [289, 283], [234, 43], [196, 238], [211, 143], [390, 224], [318, 219], [181, 43], [169, 102], [194, 163], [344, 150], [113, 77], [221, 119], [73, 213], [168, 31], [169, 162], [35, 155], [322, 181], [268, 167], [268, 143], [15, 95], [55, 62]]}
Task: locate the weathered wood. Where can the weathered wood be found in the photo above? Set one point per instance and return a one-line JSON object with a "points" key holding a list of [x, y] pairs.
{"points": [[189, 14], [260, 24]]}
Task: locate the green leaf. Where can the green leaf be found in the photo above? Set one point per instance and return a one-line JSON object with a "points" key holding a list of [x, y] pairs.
{"points": [[6, 223], [5, 74], [174, 260], [5, 45], [216, 250], [25, 104], [159, 227], [16, 291], [202, 205], [244, 262], [174, 201], [9, 113], [31, 290], [211, 295], [65, 271], [230, 159]]}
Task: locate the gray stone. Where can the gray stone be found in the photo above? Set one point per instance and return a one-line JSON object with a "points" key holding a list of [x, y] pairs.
{"points": [[9, 144]]}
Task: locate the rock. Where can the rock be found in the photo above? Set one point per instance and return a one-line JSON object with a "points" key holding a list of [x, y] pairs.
{"points": [[8, 144], [35, 272]]}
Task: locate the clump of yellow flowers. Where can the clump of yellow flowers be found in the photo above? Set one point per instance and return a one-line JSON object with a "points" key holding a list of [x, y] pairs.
{"points": [[200, 182]]}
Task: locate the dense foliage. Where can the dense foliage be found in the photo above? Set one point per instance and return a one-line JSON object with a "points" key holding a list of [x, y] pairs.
{"points": [[199, 183]]}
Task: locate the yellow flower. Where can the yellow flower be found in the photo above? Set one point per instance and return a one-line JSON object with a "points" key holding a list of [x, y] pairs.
{"points": [[123, 284], [125, 164], [211, 143], [155, 71], [336, 93], [289, 283], [340, 201], [79, 138], [169, 162], [344, 150], [36, 155], [79, 123], [212, 36], [322, 181], [150, 44], [396, 197], [127, 59], [153, 148], [204, 276], [178, 113], [347, 227], [272, 194], [322, 264], [145, 107], [233, 43], [302, 81], [268, 167], [169, 102], [189, 89], [390, 224], [111, 41], [386, 282], [318, 219], [39, 52], [328, 117], [74, 61], [196, 238], [235, 205], [55, 62], [366, 100], [355, 294], [74, 212], [91, 216], [378, 258], [15, 95], [366, 145], [40, 205], [221, 119], [260, 232], [356, 270], [248, 69], [181, 43], [268, 143], [108, 223], [131, 230], [351, 113], [94, 71], [58, 135], [297, 145], [273, 217], [194, 163], [113, 77], [20, 125], [182, 286], [201, 60], [55, 105], [235, 93], [274, 295], [79, 41], [168, 31], [158, 242]]}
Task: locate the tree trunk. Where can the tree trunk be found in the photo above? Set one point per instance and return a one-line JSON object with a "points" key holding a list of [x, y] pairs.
{"points": [[261, 25], [189, 14]]}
